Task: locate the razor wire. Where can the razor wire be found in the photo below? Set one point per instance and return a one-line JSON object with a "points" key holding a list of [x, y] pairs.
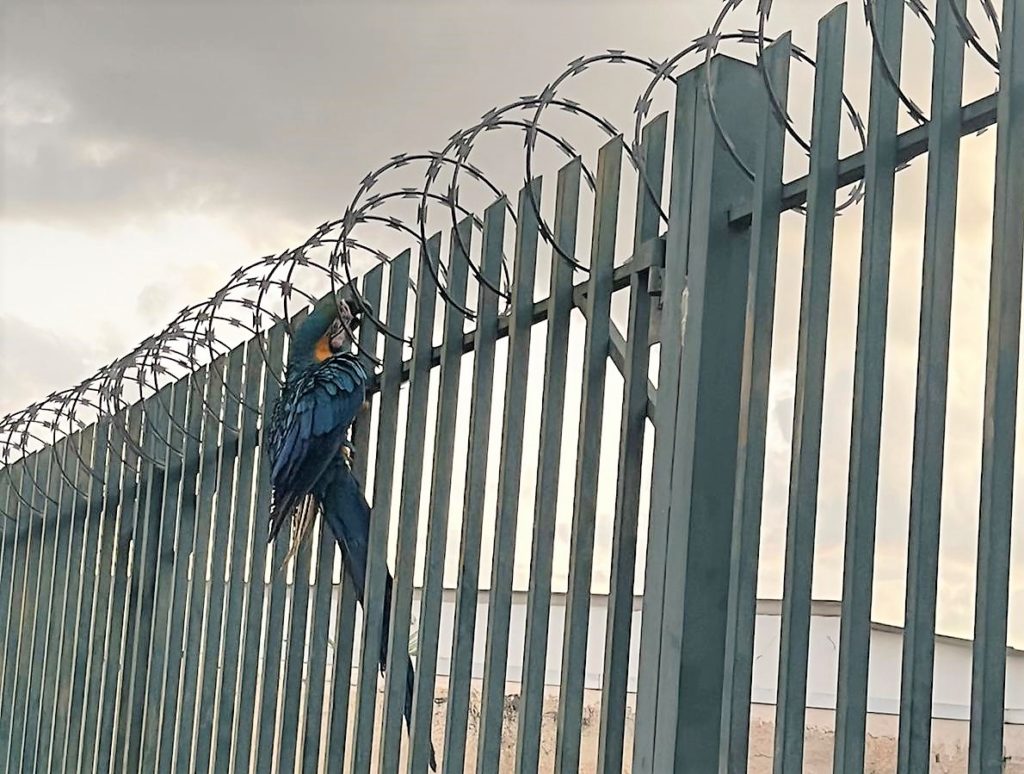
{"points": [[270, 290]]}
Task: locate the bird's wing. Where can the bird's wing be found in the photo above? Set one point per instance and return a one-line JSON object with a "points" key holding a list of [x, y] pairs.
{"points": [[308, 426]]}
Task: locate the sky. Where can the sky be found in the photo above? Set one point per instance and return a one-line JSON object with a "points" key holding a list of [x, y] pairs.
{"points": [[149, 150]]}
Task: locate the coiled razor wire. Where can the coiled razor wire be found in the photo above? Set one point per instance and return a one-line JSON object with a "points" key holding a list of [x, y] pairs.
{"points": [[270, 290]]}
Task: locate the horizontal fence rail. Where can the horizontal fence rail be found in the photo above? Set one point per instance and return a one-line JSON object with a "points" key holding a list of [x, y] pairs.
{"points": [[553, 405]]}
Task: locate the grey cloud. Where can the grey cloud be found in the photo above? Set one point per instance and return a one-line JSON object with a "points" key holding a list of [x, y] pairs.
{"points": [[35, 361], [273, 108], [129, 109], [152, 303]]}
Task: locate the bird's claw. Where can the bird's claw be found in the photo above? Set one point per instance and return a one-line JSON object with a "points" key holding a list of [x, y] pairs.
{"points": [[347, 452]]}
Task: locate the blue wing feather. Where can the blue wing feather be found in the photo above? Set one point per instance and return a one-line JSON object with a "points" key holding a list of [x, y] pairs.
{"points": [[309, 423]]}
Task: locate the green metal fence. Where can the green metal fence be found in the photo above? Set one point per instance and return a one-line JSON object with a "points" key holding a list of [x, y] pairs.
{"points": [[147, 628]]}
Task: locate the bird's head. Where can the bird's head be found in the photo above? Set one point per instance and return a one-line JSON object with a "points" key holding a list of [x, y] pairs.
{"points": [[345, 311]]}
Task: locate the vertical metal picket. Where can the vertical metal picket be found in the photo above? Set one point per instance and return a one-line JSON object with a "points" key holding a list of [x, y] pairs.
{"points": [[649, 677], [50, 528], [168, 498], [33, 613], [440, 494], [633, 425], [276, 594], [26, 518], [376, 566], [320, 613], [72, 577], [395, 687], [588, 453], [234, 631], [163, 745], [210, 464], [869, 374], [223, 517], [485, 336], [991, 611], [249, 726], [795, 623], [54, 558], [499, 601], [291, 686], [143, 577], [116, 566], [11, 482], [8, 546], [753, 420], [538, 604], [85, 606], [930, 401], [132, 550], [106, 524]]}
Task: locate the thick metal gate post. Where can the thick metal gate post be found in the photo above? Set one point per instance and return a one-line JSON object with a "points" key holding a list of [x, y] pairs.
{"points": [[681, 675]]}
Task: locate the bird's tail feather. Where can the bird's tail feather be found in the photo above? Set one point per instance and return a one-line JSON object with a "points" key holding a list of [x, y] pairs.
{"points": [[302, 511], [347, 513], [302, 527], [281, 508]]}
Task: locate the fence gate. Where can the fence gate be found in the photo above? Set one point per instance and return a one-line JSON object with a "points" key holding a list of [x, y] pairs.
{"points": [[146, 626]]}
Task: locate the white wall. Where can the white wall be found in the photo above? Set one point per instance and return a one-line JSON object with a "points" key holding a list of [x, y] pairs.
{"points": [[952, 657]]}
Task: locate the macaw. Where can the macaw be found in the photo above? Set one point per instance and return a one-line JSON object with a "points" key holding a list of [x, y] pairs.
{"points": [[310, 453]]}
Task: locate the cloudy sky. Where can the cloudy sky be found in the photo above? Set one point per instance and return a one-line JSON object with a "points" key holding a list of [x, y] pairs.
{"points": [[148, 150]]}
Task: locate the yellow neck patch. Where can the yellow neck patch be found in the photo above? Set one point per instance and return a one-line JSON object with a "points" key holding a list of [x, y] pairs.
{"points": [[322, 350]]}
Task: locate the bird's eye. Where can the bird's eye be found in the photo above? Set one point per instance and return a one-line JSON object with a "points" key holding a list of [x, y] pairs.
{"points": [[337, 337]]}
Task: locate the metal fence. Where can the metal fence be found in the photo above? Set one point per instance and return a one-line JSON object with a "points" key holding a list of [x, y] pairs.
{"points": [[147, 628]]}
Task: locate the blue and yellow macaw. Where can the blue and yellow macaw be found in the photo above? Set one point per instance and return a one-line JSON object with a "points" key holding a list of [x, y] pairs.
{"points": [[310, 453]]}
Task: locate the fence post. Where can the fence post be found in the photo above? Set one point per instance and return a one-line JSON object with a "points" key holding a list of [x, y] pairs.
{"points": [[680, 683]]}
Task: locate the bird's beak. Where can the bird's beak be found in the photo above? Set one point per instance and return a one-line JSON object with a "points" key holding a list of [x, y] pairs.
{"points": [[340, 334]]}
